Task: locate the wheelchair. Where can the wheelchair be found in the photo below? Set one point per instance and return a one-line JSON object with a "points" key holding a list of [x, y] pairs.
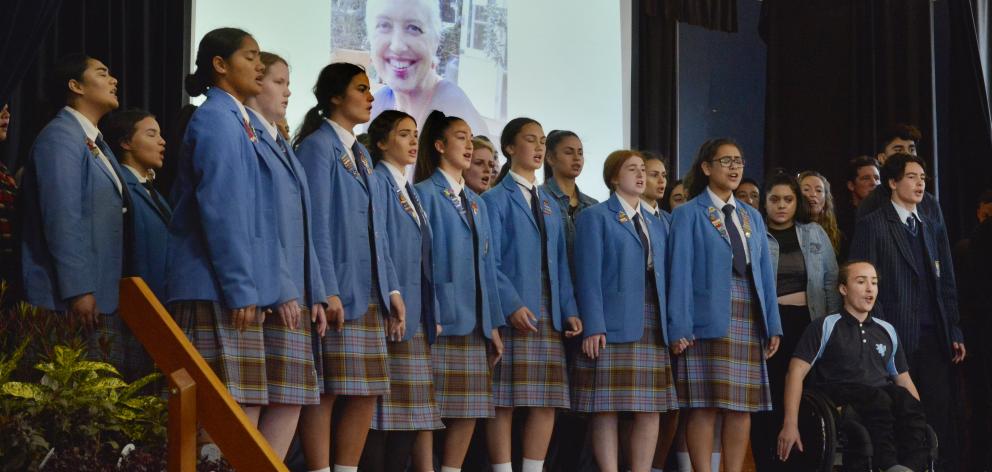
{"points": [[834, 439]]}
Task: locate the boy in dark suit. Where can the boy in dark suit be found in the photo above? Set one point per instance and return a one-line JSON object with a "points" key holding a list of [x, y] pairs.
{"points": [[919, 296]]}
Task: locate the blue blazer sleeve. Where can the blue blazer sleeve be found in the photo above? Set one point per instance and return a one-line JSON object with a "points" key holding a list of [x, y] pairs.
{"points": [[496, 318], [830, 265], [223, 178], [768, 277], [566, 291], [589, 255], [318, 168], [59, 170], [680, 260], [509, 298]]}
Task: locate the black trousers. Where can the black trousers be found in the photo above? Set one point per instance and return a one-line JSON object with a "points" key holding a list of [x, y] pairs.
{"points": [[894, 420], [387, 451], [766, 425], [937, 379]]}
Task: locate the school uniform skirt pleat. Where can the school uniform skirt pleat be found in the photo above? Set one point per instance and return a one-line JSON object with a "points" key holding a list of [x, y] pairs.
{"points": [[410, 403], [532, 371], [355, 360], [728, 372], [633, 377], [462, 378], [236, 356], [289, 361]]}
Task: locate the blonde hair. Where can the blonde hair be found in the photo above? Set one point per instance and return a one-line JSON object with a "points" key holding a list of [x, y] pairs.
{"points": [[480, 142], [827, 218]]}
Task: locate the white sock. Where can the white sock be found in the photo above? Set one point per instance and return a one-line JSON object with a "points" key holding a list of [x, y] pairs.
{"points": [[345, 468], [325, 469], [503, 467], [531, 465], [450, 469], [715, 461], [685, 464]]}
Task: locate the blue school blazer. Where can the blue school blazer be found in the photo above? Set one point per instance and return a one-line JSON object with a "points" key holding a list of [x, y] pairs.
{"points": [[454, 279], [700, 269], [405, 237], [517, 243], [610, 272], [286, 181], [340, 198], [73, 237], [223, 242], [151, 235]]}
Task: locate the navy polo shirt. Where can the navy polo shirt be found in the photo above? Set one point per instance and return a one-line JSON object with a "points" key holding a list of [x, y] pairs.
{"points": [[844, 350]]}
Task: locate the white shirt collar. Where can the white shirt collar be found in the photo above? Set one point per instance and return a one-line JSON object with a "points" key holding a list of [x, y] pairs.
{"points": [[904, 213], [719, 202], [629, 210], [456, 184], [522, 181], [346, 136], [241, 106], [398, 175], [269, 127], [646, 206], [136, 173], [90, 129]]}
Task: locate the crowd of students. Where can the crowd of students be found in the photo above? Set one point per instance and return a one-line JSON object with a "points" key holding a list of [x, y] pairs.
{"points": [[319, 280]]}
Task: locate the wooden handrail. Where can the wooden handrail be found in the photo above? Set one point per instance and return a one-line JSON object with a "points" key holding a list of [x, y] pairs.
{"points": [[243, 446], [182, 422]]}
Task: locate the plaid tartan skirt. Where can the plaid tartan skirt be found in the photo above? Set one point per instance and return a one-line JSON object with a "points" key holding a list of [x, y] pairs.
{"points": [[409, 405], [462, 379], [289, 361], [634, 376], [729, 372], [237, 357], [532, 371], [355, 361]]}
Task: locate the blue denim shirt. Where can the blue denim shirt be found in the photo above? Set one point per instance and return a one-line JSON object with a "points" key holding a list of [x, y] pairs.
{"points": [[822, 295], [568, 221]]}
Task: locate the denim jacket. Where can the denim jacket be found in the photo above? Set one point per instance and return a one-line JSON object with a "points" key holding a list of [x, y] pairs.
{"points": [[822, 295], [568, 221]]}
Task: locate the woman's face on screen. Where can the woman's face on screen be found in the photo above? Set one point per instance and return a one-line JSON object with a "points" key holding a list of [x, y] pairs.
{"points": [[403, 43]]}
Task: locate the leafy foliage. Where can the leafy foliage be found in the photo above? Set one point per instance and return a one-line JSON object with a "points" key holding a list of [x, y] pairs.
{"points": [[81, 408]]}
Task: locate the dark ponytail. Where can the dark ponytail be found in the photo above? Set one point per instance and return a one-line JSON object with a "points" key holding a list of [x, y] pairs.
{"points": [[332, 81], [506, 138], [428, 157], [221, 42], [555, 137], [379, 131], [696, 181]]}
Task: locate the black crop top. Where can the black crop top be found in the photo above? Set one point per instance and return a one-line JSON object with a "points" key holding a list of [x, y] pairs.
{"points": [[791, 266]]}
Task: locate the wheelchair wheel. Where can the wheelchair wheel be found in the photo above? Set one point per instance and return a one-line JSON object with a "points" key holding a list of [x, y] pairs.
{"points": [[818, 430]]}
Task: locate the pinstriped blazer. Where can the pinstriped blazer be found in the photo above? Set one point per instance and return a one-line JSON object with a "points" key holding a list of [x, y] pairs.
{"points": [[880, 238]]}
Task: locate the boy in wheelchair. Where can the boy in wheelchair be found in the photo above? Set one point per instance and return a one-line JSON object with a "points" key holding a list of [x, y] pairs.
{"points": [[857, 361]]}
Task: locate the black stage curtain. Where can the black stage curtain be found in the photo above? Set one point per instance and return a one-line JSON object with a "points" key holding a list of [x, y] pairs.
{"points": [[839, 73], [654, 80], [141, 41], [719, 15], [23, 24], [966, 159]]}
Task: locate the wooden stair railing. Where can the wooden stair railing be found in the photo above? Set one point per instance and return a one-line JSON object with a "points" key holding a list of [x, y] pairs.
{"points": [[196, 394]]}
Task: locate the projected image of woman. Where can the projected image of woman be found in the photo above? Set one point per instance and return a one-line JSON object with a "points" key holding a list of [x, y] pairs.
{"points": [[404, 37]]}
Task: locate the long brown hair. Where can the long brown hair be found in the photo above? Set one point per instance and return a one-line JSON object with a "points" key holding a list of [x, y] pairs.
{"points": [[428, 157], [827, 218]]}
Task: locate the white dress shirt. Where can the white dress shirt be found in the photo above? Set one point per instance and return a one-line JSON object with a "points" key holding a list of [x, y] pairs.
{"points": [[631, 213], [400, 179], [525, 185], [719, 204], [93, 133]]}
